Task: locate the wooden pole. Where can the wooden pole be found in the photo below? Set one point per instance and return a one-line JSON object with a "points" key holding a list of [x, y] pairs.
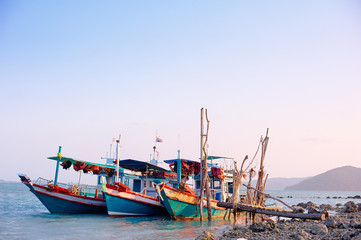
{"points": [[269, 196], [206, 179], [250, 194], [273, 212], [259, 186], [202, 174]]}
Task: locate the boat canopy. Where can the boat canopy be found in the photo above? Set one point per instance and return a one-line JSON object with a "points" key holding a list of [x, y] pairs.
{"points": [[140, 166], [217, 157], [173, 161], [72, 160]]}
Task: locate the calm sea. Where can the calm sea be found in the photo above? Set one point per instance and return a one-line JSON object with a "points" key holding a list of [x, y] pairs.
{"points": [[22, 216]]}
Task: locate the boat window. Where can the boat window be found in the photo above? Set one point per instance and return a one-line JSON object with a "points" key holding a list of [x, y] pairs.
{"points": [[198, 184], [216, 184], [230, 187], [126, 181], [136, 185], [151, 184]]}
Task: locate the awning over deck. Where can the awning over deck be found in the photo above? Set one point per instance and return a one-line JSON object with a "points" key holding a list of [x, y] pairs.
{"points": [[140, 166]]}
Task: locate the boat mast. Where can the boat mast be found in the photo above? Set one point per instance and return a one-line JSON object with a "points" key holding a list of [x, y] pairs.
{"points": [[179, 169], [202, 177], [117, 161], [57, 167]]}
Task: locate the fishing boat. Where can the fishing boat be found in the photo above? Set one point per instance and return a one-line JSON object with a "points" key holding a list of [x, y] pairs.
{"points": [[134, 194], [183, 203], [72, 198]]}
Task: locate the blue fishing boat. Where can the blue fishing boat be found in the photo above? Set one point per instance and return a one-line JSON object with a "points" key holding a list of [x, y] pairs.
{"points": [[72, 198], [134, 194]]}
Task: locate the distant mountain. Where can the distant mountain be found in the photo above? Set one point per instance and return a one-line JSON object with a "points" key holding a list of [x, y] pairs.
{"points": [[345, 178], [282, 183], [277, 183]]}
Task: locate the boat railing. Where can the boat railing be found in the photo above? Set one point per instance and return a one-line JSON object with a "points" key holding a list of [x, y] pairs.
{"points": [[89, 190], [43, 182], [82, 189]]}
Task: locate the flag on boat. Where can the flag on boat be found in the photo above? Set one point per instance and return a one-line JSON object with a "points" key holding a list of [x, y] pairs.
{"points": [[158, 139]]}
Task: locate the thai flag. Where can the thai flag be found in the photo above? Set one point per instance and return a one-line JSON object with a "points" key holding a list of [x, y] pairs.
{"points": [[158, 139]]}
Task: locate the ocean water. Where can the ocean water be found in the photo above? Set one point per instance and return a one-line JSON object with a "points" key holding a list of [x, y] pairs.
{"points": [[22, 216]]}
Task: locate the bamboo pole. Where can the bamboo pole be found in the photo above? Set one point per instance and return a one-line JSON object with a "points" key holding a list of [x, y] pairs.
{"points": [[250, 193], [273, 212], [208, 193], [202, 173], [269, 196], [259, 186]]}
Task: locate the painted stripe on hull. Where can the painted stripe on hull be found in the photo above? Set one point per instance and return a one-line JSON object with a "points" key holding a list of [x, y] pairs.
{"points": [[62, 203], [123, 214], [127, 204]]}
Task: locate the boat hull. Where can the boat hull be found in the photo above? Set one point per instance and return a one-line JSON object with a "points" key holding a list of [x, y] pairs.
{"points": [[58, 202], [122, 204], [183, 205]]}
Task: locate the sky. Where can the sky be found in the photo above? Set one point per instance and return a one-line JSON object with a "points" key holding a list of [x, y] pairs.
{"points": [[77, 74]]}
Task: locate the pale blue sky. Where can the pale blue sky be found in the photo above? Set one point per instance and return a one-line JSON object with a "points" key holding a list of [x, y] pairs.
{"points": [[78, 73]]}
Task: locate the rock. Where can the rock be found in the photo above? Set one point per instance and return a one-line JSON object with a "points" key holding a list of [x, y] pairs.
{"points": [[311, 209], [234, 233], [325, 207], [206, 236], [296, 237], [350, 206], [354, 224], [311, 204], [359, 207], [258, 227], [355, 197], [350, 235], [319, 229], [336, 235], [298, 209], [358, 237], [300, 235], [303, 205], [341, 225], [330, 223], [304, 234]]}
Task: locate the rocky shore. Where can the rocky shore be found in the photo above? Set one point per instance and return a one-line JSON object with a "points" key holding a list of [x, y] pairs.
{"points": [[344, 222]]}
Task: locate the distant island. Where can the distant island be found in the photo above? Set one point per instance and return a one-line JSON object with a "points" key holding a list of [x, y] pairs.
{"points": [[345, 178]]}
